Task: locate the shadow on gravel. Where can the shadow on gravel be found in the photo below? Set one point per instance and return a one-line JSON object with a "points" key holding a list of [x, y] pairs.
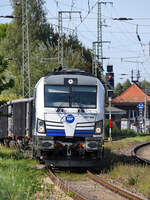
{"points": [[111, 160]]}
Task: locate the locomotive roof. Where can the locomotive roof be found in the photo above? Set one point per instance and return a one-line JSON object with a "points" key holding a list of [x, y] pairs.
{"points": [[57, 77], [65, 71]]}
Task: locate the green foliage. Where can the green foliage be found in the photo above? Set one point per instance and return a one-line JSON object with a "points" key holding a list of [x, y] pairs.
{"points": [[116, 132], [3, 64], [43, 44], [133, 180], [5, 82], [7, 153], [75, 55], [144, 84], [126, 84], [18, 178], [131, 177], [72, 176], [129, 133], [120, 88], [120, 167], [71, 194], [12, 44], [8, 97], [3, 31]]}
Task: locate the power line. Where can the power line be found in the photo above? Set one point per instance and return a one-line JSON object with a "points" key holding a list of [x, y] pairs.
{"points": [[86, 15], [60, 39]]}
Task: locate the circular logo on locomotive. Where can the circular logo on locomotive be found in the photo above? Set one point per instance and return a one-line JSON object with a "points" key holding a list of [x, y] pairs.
{"points": [[70, 118]]}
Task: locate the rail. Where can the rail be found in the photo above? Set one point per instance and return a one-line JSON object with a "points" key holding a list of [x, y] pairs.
{"points": [[114, 188], [64, 187], [134, 153]]}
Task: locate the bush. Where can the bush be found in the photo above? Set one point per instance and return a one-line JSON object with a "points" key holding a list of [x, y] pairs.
{"points": [[116, 132], [8, 97]]}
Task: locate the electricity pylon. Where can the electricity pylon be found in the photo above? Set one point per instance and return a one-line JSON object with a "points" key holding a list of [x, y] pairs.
{"points": [[60, 40], [26, 82], [97, 67]]}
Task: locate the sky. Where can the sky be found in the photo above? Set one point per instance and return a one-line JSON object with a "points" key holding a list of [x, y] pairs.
{"points": [[128, 41]]}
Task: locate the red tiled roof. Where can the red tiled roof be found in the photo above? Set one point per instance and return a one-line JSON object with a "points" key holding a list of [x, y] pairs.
{"points": [[132, 95]]}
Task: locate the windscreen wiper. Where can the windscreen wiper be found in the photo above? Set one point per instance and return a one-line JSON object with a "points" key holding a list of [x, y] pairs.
{"points": [[80, 105], [60, 108]]}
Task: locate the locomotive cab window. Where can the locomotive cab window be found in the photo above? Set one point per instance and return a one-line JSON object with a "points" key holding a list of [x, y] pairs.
{"points": [[56, 96], [74, 97], [84, 96]]}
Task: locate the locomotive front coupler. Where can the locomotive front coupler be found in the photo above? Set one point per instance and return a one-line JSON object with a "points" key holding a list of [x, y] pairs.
{"points": [[69, 151]]}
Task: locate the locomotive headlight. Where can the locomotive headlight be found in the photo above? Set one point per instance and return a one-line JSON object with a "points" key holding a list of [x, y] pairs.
{"points": [[40, 126], [98, 130], [99, 127]]}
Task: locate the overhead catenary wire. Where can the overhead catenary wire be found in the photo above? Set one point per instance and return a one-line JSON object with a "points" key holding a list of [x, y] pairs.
{"points": [[124, 40], [86, 15]]}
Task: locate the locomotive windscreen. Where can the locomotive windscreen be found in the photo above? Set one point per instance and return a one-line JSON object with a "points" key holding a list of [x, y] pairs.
{"points": [[74, 96]]}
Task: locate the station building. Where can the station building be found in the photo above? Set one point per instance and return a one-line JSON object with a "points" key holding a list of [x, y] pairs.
{"points": [[136, 104]]}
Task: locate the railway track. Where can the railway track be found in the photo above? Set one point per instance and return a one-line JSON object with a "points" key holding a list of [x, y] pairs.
{"points": [[118, 190], [93, 189], [65, 187], [142, 153]]}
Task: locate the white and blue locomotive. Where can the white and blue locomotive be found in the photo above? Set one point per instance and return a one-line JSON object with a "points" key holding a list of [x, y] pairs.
{"points": [[68, 127]]}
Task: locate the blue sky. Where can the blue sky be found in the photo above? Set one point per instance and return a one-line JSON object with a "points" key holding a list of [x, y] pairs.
{"points": [[125, 51]]}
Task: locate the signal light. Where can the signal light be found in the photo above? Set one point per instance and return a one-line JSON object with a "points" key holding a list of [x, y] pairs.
{"points": [[109, 68], [110, 80], [110, 93], [109, 77]]}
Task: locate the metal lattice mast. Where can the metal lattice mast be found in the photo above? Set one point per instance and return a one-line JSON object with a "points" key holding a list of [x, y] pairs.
{"points": [[99, 37], [93, 58], [99, 51], [60, 40], [26, 82], [95, 63]]}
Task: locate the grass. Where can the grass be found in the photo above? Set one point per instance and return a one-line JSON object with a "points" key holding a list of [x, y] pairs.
{"points": [[72, 176], [21, 180], [138, 139], [134, 178], [126, 142], [123, 169], [18, 178]]}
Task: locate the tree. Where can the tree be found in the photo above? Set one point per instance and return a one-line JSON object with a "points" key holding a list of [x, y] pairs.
{"points": [[118, 89], [76, 55], [3, 31], [12, 44], [5, 82], [126, 84], [144, 84], [43, 44]]}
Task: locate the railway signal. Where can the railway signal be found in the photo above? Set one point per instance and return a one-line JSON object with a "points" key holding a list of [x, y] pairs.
{"points": [[110, 80], [110, 88]]}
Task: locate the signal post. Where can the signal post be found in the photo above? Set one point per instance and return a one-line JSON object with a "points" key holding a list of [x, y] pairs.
{"points": [[110, 89]]}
